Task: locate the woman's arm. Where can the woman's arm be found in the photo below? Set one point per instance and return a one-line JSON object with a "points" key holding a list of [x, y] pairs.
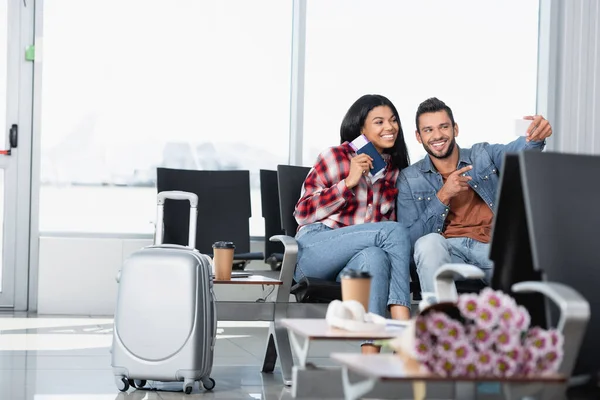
{"points": [[324, 191]]}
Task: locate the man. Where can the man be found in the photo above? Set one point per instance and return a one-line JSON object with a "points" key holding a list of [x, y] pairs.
{"points": [[447, 199]]}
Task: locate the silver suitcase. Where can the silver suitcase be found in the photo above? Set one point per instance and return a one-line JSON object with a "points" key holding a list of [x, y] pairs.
{"points": [[165, 322]]}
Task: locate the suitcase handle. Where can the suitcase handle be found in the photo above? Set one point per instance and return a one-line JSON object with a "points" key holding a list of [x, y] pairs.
{"points": [[176, 195]]}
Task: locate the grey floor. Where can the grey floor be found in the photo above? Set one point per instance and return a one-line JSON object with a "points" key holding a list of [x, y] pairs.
{"points": [[67, 358]]}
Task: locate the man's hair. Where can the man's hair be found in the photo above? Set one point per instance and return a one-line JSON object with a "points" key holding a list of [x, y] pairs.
{"points": [[431, 105]]}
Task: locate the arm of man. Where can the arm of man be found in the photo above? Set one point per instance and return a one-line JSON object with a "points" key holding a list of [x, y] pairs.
{"points": [[538, 131], [418, 223]]}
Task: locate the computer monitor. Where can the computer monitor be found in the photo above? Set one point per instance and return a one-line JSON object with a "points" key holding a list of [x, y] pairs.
{"points": [[547, 228]]}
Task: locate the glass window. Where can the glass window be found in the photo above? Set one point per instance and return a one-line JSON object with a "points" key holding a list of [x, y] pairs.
{"points": [[3, 124], [478, 57], [129, 86]]}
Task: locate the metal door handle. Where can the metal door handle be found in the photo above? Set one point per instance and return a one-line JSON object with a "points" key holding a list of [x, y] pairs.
{"points": [[13, 140]]}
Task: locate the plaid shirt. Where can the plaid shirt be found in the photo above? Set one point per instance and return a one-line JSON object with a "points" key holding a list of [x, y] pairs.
{"points": [[325, 197]]}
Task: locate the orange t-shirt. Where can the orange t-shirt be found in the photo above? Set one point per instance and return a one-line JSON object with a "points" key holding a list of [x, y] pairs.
{"points": [[469, 216]]}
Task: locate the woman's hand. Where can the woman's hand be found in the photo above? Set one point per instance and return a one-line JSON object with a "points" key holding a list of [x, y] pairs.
{"points": [[359, 166]]}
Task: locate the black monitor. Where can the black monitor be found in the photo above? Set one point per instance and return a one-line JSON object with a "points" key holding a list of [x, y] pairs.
{"points": [[547, 228]]}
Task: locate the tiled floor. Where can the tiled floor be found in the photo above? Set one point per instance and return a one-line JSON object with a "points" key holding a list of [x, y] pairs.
{"points": [[54, 358]]}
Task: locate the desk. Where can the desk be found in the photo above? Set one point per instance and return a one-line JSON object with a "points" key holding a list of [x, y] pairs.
{"points": [[387, 367]]}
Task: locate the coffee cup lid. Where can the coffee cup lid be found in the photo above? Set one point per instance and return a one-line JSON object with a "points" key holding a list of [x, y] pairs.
{"points": [[352, 273], [223, 245]]}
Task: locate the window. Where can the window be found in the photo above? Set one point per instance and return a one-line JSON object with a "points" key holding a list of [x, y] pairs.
{"points": [[478, 57], [132, 85], [3, 124]]}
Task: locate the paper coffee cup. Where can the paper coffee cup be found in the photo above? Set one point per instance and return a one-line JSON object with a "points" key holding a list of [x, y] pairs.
{"points": [[223, 260], [356, 285]]}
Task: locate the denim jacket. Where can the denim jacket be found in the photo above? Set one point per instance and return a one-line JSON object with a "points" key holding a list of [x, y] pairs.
{"points": [[418, 207]]}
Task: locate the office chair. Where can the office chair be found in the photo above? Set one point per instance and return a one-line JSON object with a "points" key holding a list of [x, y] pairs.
{"points": [[269, 194], [223, 210], [308, 290]]}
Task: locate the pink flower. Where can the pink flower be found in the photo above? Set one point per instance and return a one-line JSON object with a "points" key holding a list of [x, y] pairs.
{"points": [[462, 352], [485, 360], [480, 337], [504, 366], [446, 367], [455, 330], [445, 347], [538, 340], [517, 354], [496, 300], [487, 317], [527, 356], [537, 366], [437, 323], [523, 319], [423, 348], [472, 369], [552, 359], [506, 340], [556, 338], [510, 317], [421, 326], [468, 305]]}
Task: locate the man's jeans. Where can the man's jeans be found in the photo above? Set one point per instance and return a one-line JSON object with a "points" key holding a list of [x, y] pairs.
{"points": [[381, 248], [433, 250]]}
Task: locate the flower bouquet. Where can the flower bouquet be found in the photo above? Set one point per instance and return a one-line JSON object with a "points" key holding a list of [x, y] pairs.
{"points": [[480, 335]]}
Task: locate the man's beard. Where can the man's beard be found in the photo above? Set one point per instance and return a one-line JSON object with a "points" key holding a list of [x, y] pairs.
{"points": [[446, 154]]}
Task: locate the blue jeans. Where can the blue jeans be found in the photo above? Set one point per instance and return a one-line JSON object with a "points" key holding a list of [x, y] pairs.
{"points": [[433, 250], [381, 248]]}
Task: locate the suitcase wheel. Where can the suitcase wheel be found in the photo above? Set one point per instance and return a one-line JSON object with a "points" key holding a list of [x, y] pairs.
{"points": [[140, 383], [208, 383], [122, 384], [188, 386]]}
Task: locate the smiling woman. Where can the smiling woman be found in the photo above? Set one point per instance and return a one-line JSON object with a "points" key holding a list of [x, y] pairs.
{"points": [[347, 218]]}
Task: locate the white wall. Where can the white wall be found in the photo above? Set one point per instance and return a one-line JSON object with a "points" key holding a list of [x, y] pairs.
{"points": [[77, 275]]}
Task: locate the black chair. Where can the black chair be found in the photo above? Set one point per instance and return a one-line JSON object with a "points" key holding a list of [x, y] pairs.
{"points": [[308, 290], [223, 210], [269, 194]]}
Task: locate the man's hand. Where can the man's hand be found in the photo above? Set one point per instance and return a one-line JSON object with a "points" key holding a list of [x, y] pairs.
{"points": [[359, 166], [455, 184], [539, 129]]}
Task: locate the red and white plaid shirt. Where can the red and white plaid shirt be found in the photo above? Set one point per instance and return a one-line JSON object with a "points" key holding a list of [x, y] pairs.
{"points": [[325, 197]]}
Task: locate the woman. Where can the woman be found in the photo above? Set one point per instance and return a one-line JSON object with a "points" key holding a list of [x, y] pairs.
{"points": [[347, 217]]}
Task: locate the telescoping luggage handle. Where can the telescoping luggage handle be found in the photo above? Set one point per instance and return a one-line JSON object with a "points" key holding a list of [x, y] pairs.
{"points": [[176, 195]]}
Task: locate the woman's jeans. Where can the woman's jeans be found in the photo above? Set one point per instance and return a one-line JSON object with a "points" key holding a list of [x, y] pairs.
{"points": [[381, 248]]}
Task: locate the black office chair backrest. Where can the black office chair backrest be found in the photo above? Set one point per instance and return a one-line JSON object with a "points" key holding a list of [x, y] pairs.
{"points": [[269, 195], [290, 180], [223, 207]]}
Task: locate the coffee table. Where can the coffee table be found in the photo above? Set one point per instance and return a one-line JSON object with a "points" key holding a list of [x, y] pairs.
{"points": [[390, 368], [314, 381], [250, 280]]}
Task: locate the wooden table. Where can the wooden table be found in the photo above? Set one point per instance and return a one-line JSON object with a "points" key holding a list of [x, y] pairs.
{"points": [[306, 380], [389, 367], [250, 280], [303, 330]]}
